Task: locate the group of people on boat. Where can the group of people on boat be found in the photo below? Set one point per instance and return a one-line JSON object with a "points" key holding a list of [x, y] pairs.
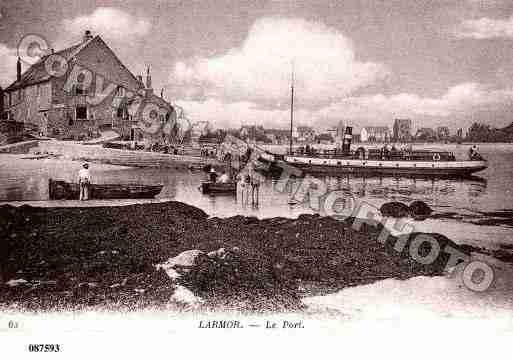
{"points": [[247, 185], [388, 152], [307, 150]]}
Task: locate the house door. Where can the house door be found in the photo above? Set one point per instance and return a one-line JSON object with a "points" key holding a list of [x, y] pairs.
{"points": [[44, 124]]}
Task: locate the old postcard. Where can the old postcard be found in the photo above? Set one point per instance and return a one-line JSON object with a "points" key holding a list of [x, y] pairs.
{"points": [[256, 178]]}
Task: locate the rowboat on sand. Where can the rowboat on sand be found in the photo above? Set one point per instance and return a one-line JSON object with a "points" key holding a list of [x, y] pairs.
{"points": [[67, 190]]}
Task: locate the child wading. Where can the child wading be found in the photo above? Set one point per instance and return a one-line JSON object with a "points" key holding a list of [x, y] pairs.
{"points": [[84, 180]]}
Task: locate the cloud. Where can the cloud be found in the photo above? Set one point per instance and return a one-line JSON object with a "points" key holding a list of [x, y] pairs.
{"points": [[457, 105], [485, 28], [454, 108], [7, 65], [112, 23], [235, 114], [259, 70]]}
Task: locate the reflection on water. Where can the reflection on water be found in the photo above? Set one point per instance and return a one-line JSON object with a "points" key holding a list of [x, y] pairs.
{"points": [[28, 180], [22, 179]]}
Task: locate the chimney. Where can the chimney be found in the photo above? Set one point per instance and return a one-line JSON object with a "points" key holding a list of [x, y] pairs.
{"points": [[162, 92], [148, 78], [18, 70], [87, 36]]}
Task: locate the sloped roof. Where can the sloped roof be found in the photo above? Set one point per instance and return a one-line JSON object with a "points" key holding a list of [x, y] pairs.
{"points": [[37, 72]]}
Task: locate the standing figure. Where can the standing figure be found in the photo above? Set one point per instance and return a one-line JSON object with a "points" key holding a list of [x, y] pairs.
{"points": [[213, 175], [84, 180]]}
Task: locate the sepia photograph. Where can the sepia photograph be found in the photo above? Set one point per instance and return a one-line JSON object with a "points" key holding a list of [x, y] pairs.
{"points": [[253, 178]]}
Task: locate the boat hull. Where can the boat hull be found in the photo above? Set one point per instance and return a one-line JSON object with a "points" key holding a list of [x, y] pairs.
{"points": [[439, 169], [71, 191], [219, 188]]}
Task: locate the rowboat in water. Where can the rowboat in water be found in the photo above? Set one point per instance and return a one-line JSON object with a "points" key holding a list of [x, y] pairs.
{"points": [[219, 188], [67, 190]]}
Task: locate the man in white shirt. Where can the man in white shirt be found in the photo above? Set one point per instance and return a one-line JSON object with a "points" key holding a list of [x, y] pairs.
{"points": [[84, 180]]}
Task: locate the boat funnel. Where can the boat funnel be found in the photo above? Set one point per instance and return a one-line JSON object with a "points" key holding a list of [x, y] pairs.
{"points": [[346, 141]]}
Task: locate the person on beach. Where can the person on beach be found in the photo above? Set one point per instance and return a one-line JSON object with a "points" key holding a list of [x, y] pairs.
{"points": [[84, 180]]}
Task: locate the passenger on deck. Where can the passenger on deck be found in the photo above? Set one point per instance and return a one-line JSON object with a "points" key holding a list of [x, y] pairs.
{"points": [[225, 178], [386, 152], [473, 153]]}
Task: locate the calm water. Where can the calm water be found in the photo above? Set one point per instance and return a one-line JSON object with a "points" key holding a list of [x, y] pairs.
{"points": [[467, 201], [464, 204]]}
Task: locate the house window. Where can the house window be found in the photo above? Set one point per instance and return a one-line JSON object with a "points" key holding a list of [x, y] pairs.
{"points": [[120, 112], [79, 90], [81, 113]]}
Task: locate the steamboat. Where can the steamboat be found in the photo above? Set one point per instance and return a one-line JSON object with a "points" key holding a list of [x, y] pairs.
{"points": [[382, 162], [374, 162]]}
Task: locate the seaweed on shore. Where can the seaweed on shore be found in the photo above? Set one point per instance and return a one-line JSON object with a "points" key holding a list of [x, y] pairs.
{"points": [[73, 258]]}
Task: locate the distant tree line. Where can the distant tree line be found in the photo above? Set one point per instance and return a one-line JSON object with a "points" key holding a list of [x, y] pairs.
{"points": [[480, 132]]}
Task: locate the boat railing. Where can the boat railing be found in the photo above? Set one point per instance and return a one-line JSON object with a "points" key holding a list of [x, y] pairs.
{"points": [[377, 154]]}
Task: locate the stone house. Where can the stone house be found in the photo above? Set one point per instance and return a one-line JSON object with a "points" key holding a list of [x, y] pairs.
{"points": [[75, 92]]}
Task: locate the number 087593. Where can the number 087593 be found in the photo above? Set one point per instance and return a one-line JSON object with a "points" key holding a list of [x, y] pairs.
{"points": [[44, 348]]}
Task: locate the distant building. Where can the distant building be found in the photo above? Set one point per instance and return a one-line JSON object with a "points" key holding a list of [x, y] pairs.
{"points": [[402, 129], [375, 134], [199, 129], [443, 132], [278, 137], [425, 134], [252, 132], [459, 133], [305, 134], [340, 132], [324, 138]]}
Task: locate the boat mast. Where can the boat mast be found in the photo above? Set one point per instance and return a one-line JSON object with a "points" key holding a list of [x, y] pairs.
{"points": [[291, 108]]}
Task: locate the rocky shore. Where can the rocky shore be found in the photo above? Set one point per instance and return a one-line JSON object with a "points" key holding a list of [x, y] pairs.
{"points": [[115, 258]]}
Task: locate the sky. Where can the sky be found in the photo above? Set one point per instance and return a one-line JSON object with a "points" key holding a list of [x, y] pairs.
{"points": [[365, 62]]}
